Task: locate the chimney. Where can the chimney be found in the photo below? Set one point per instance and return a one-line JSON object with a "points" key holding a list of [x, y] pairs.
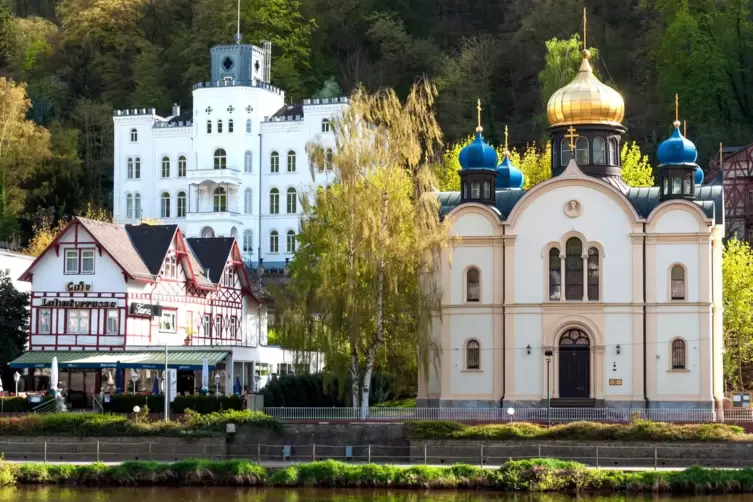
{"points": [[176, 110]]}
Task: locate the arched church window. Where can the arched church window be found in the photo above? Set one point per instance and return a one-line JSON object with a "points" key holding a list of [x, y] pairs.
{"points": [[593, 274], [613, 152], [677, 278], [274, 201], [678, 354], [165, 167], [472, 355], [599, 151], [220, 159], [473, 285], [219, 127], [292, 201], [181, 166], [220, 200], [555, 275], [209, 127], [274, 162], [230, 125], [581, 151], [574, 269], [487, 190], [291, 161], [565, 153]]}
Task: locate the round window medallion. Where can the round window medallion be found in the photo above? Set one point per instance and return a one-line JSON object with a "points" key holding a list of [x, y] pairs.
{"points": [[227, 63], [572, 208]]}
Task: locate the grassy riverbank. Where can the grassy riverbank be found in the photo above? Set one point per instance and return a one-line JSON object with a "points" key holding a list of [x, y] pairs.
{"points": [[522, 476]]}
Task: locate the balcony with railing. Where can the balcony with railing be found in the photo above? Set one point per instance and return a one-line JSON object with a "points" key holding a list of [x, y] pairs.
{"points": [[227, 175]]}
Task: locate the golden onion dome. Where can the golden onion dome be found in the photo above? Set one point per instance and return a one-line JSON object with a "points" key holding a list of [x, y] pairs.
{"points": [[585, 100]]}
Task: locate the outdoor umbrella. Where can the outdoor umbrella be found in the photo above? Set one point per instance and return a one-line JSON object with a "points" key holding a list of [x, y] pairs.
{"points": [[155, 388], [54, 376], [237, 387], [204, 376], [118, 381]]}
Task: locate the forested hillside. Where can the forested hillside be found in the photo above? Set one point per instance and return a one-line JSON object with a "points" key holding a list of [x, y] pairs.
{"points": [[77, 60]]}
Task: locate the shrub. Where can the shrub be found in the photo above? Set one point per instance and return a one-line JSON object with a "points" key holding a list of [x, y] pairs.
{"points": [[19, 404], [639, 430], [124, 403]]}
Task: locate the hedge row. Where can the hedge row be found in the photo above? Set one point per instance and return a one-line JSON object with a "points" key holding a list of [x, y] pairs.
{"points": [[18, 404], [201, 404], [639, 430], [515, 476]]}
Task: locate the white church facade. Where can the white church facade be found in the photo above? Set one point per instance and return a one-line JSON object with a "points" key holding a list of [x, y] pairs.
{"points": [[581, 291], [234, 165]]}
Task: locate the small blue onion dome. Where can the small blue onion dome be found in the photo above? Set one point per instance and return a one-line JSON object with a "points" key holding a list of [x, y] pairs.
{"points": [[699, 176], [677, 150], [478, 155], [509, 176]]}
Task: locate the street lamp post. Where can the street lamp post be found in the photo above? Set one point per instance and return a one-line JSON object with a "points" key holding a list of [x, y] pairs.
{"points": [[217, 384], [134, 379], [16, 378], [548, 354], [166, 381]]}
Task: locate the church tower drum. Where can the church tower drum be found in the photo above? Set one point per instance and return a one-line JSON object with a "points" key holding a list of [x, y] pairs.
{"points": [[589, 114], [478, 176], [678, 172]]}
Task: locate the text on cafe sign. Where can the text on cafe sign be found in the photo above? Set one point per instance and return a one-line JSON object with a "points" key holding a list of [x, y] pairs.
{"points": [[78, 287], [145, 310]]}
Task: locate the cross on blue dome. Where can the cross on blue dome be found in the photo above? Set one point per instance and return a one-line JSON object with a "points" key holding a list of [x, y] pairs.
{"points": [[677, 149], [478, 155]]}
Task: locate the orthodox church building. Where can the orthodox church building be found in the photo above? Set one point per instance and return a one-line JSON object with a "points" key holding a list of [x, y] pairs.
{"points": [[582, 289]]}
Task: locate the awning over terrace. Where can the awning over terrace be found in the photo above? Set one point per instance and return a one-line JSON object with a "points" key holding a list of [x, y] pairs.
{"points": [[179, 360]]}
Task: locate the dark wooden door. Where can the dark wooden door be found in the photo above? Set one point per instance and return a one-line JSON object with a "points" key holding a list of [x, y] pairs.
{"points": [[575, 365]]}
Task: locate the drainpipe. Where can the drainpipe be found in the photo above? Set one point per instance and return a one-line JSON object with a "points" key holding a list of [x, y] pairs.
{"points": [[504, 335], [645, 362], [717, 405], [259, 197]]}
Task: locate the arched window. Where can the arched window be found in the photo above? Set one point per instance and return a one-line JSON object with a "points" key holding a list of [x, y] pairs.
{"points": [[593, 274], [600, 154], [209, 127], [220, 200], [247, 159], [165, 167], [291, 241], [248, 126], [182, 166], [134, 135], [573, 269], [247, 201], [581, 151], [219, 127], [129, 206], [472, 285], [555, 274], [328, 159], [137, 168], [325, 125], [274, 162], [613, 160], [230, 125], [137, 206], [248, 242], [274, 201], [274, 242], [565, 152], [678, 354], [181, 204], [678, 282], [292, 200], [207, 232], [472, 355], [165, 205], [291, 161], [220, 159], [130, 168]]}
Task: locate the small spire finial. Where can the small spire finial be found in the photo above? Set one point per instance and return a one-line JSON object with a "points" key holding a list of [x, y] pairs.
{"points": [[478, 118], [505, 138], [677, 110], [585, 52], [684, 127], [238, 30], [571, 136]]}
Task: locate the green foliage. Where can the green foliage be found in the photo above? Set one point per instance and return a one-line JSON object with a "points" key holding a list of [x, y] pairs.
{"points": [[17, 404], [207, 404], [14, 318], [563, 58], [636, 171], [86, 424], [639, 430], [737, 301]]}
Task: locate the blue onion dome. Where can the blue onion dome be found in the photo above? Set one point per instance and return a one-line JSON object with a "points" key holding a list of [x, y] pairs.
{"points": [[699, 176], [677, 149], [478, 155], [509, 176]]}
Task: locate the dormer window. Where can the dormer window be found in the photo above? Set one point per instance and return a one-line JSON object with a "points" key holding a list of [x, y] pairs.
{"points": [[79, 261], [170, 267], [228, 278]]}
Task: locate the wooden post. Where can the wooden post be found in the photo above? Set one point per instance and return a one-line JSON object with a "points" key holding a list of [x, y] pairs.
{"points": [[656, 457], [368, 459], [97, 451], [597, 456], [482, 455], [258, 453], [313, 451], [45, 452], [424, 453]]}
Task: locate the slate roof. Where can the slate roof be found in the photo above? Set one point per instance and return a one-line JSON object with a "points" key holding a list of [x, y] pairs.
{"points": [[115, 240], [185, 117], [295, 110], [644, 200], [212, 253], [152, 243]]}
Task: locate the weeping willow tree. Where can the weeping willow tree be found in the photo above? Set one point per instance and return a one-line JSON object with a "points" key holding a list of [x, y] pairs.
{"points": [[362, 286]]}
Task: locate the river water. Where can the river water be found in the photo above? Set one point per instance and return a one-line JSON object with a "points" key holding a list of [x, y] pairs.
{"points": [[56, 494]]}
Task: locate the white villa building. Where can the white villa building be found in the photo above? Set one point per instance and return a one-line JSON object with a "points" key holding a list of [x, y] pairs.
{"points": [[107, 300], [233, 165], [580, 289]]}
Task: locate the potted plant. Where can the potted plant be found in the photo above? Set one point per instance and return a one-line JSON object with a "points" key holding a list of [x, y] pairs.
{"points": [[189, 333]]}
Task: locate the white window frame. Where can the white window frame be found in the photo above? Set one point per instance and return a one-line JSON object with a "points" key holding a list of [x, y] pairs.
{"points": [[181, 207], [87, 255], [80, 318], [274, 241], [129, 206], [44, 328], [182, 166], [291, 201], [292, 161], [134, 135], [290, 241], [248, 162], [248, 201], [274, 162], [166, 167], [248, 242], [274, 201], [113, 322], [168, 321], [71, 254]]}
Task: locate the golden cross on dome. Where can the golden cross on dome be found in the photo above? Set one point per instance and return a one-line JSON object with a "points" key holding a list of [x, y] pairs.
{"points": [[478, 110], [505, 139], [584, 29], [677, 110], [684, 127], [571, 137]]}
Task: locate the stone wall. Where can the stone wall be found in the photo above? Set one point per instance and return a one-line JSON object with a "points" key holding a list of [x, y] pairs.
{"points": [[110, 449], [603, 454]]}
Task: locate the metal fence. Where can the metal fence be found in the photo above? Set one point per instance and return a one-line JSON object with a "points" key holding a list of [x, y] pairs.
{"points": [[512, 415], [487, 455]]}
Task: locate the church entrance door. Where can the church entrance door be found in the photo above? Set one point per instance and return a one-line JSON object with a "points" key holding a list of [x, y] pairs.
{"points": [[575, 365]]}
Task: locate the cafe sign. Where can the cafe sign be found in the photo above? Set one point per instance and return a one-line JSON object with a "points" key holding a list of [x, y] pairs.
{"points": [[145, 310], [78, 287]]}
